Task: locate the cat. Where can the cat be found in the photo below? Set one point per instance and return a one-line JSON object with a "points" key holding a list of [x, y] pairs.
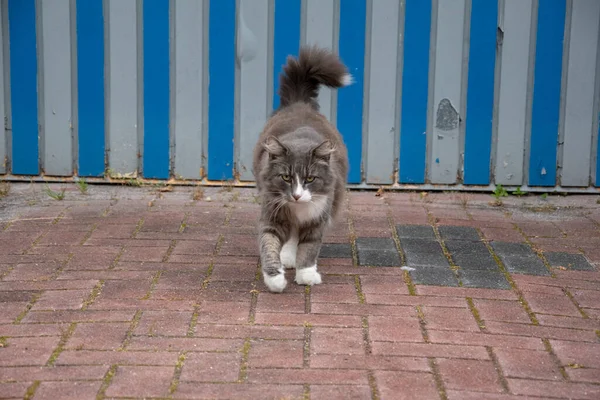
{"points": [[300, 164]]}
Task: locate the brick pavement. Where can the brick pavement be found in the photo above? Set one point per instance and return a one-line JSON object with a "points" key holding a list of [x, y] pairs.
{"points": [[137, 293]]}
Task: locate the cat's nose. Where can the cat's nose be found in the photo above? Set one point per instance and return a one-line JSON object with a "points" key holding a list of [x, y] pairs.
{"points": [[296, 196]]}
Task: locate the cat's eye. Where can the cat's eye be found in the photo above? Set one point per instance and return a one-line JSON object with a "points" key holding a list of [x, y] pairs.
{"points": [[310, 179], [286, 178]]}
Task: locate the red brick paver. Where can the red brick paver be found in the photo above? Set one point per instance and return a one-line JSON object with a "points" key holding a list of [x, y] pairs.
{"points": [[136, 293]]}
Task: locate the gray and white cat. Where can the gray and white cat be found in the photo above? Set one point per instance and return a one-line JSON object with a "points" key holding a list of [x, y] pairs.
{"points": [[300, 165]]}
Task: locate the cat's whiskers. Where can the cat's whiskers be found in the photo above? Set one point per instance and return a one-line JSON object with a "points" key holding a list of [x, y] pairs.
{"points": [[324, 211], [280, 202]]}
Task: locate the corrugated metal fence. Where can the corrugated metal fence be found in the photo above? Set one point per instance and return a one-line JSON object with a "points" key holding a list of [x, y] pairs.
{"points": [[448, 93]]}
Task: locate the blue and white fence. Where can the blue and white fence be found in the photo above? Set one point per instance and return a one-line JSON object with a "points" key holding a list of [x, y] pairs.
{"points": [[448, 94]]}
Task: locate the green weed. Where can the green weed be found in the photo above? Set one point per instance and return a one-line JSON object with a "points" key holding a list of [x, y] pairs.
{"points": [[60, 195], [4, 189], [519, 192], [499, 192], [82, 185]]}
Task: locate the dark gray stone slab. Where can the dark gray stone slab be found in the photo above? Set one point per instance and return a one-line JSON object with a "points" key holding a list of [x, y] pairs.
{"points": [[465, 247], [484, 262], [484, 279], [375, 243], [512, 249], [378, 258], [459, 233], [336, 250], [471, 255], [570, 261], [415, 231], [525, 265], [423, 252], [433, 276], [519, 258]]}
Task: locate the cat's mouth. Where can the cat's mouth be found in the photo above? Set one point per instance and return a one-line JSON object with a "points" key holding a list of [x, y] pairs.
{"points": [[300, 198], [293, 200]]}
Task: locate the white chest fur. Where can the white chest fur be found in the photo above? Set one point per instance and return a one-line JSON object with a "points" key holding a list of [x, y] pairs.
{"points": [[306, 212]]}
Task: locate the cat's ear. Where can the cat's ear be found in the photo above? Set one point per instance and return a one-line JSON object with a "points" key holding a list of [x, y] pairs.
{"points": [[274, 147], [324, 150]]}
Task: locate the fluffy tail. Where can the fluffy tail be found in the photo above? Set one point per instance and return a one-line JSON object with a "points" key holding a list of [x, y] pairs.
{"points": [[301, 77]]}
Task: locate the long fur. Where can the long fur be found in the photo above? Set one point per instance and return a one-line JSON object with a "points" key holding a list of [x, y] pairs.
{"points": [[299, 141], [301, 77]]}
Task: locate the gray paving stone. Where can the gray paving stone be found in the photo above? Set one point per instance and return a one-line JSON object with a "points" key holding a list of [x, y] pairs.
{"points": [[375, 243], [423, 252], [483, 262], [519, 258], [459, 233], [483, 279], [336, 250], [433, 276], [415, 231], [465, 247], [471, 255], [378, 258], [525, 265], [570, 261], [512, 249]]}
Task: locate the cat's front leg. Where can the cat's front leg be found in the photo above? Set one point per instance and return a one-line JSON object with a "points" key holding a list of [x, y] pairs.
{"points": [[306, 259], [273, 271]]}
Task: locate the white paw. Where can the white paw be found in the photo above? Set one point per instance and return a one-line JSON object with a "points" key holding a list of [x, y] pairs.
{"points": [[275, 283], [308, 276]]}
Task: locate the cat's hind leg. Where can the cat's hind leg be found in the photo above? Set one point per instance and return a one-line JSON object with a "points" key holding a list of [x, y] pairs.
{"points": [[289, 250]]}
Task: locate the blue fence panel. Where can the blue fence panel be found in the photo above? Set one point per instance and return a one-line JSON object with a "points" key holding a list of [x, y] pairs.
{"points": [[353, 14], [546, 92], [480, 92], [415, 91], [156, 88], [23, 87], [90, 87], [221, 89], [286, 40]]}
